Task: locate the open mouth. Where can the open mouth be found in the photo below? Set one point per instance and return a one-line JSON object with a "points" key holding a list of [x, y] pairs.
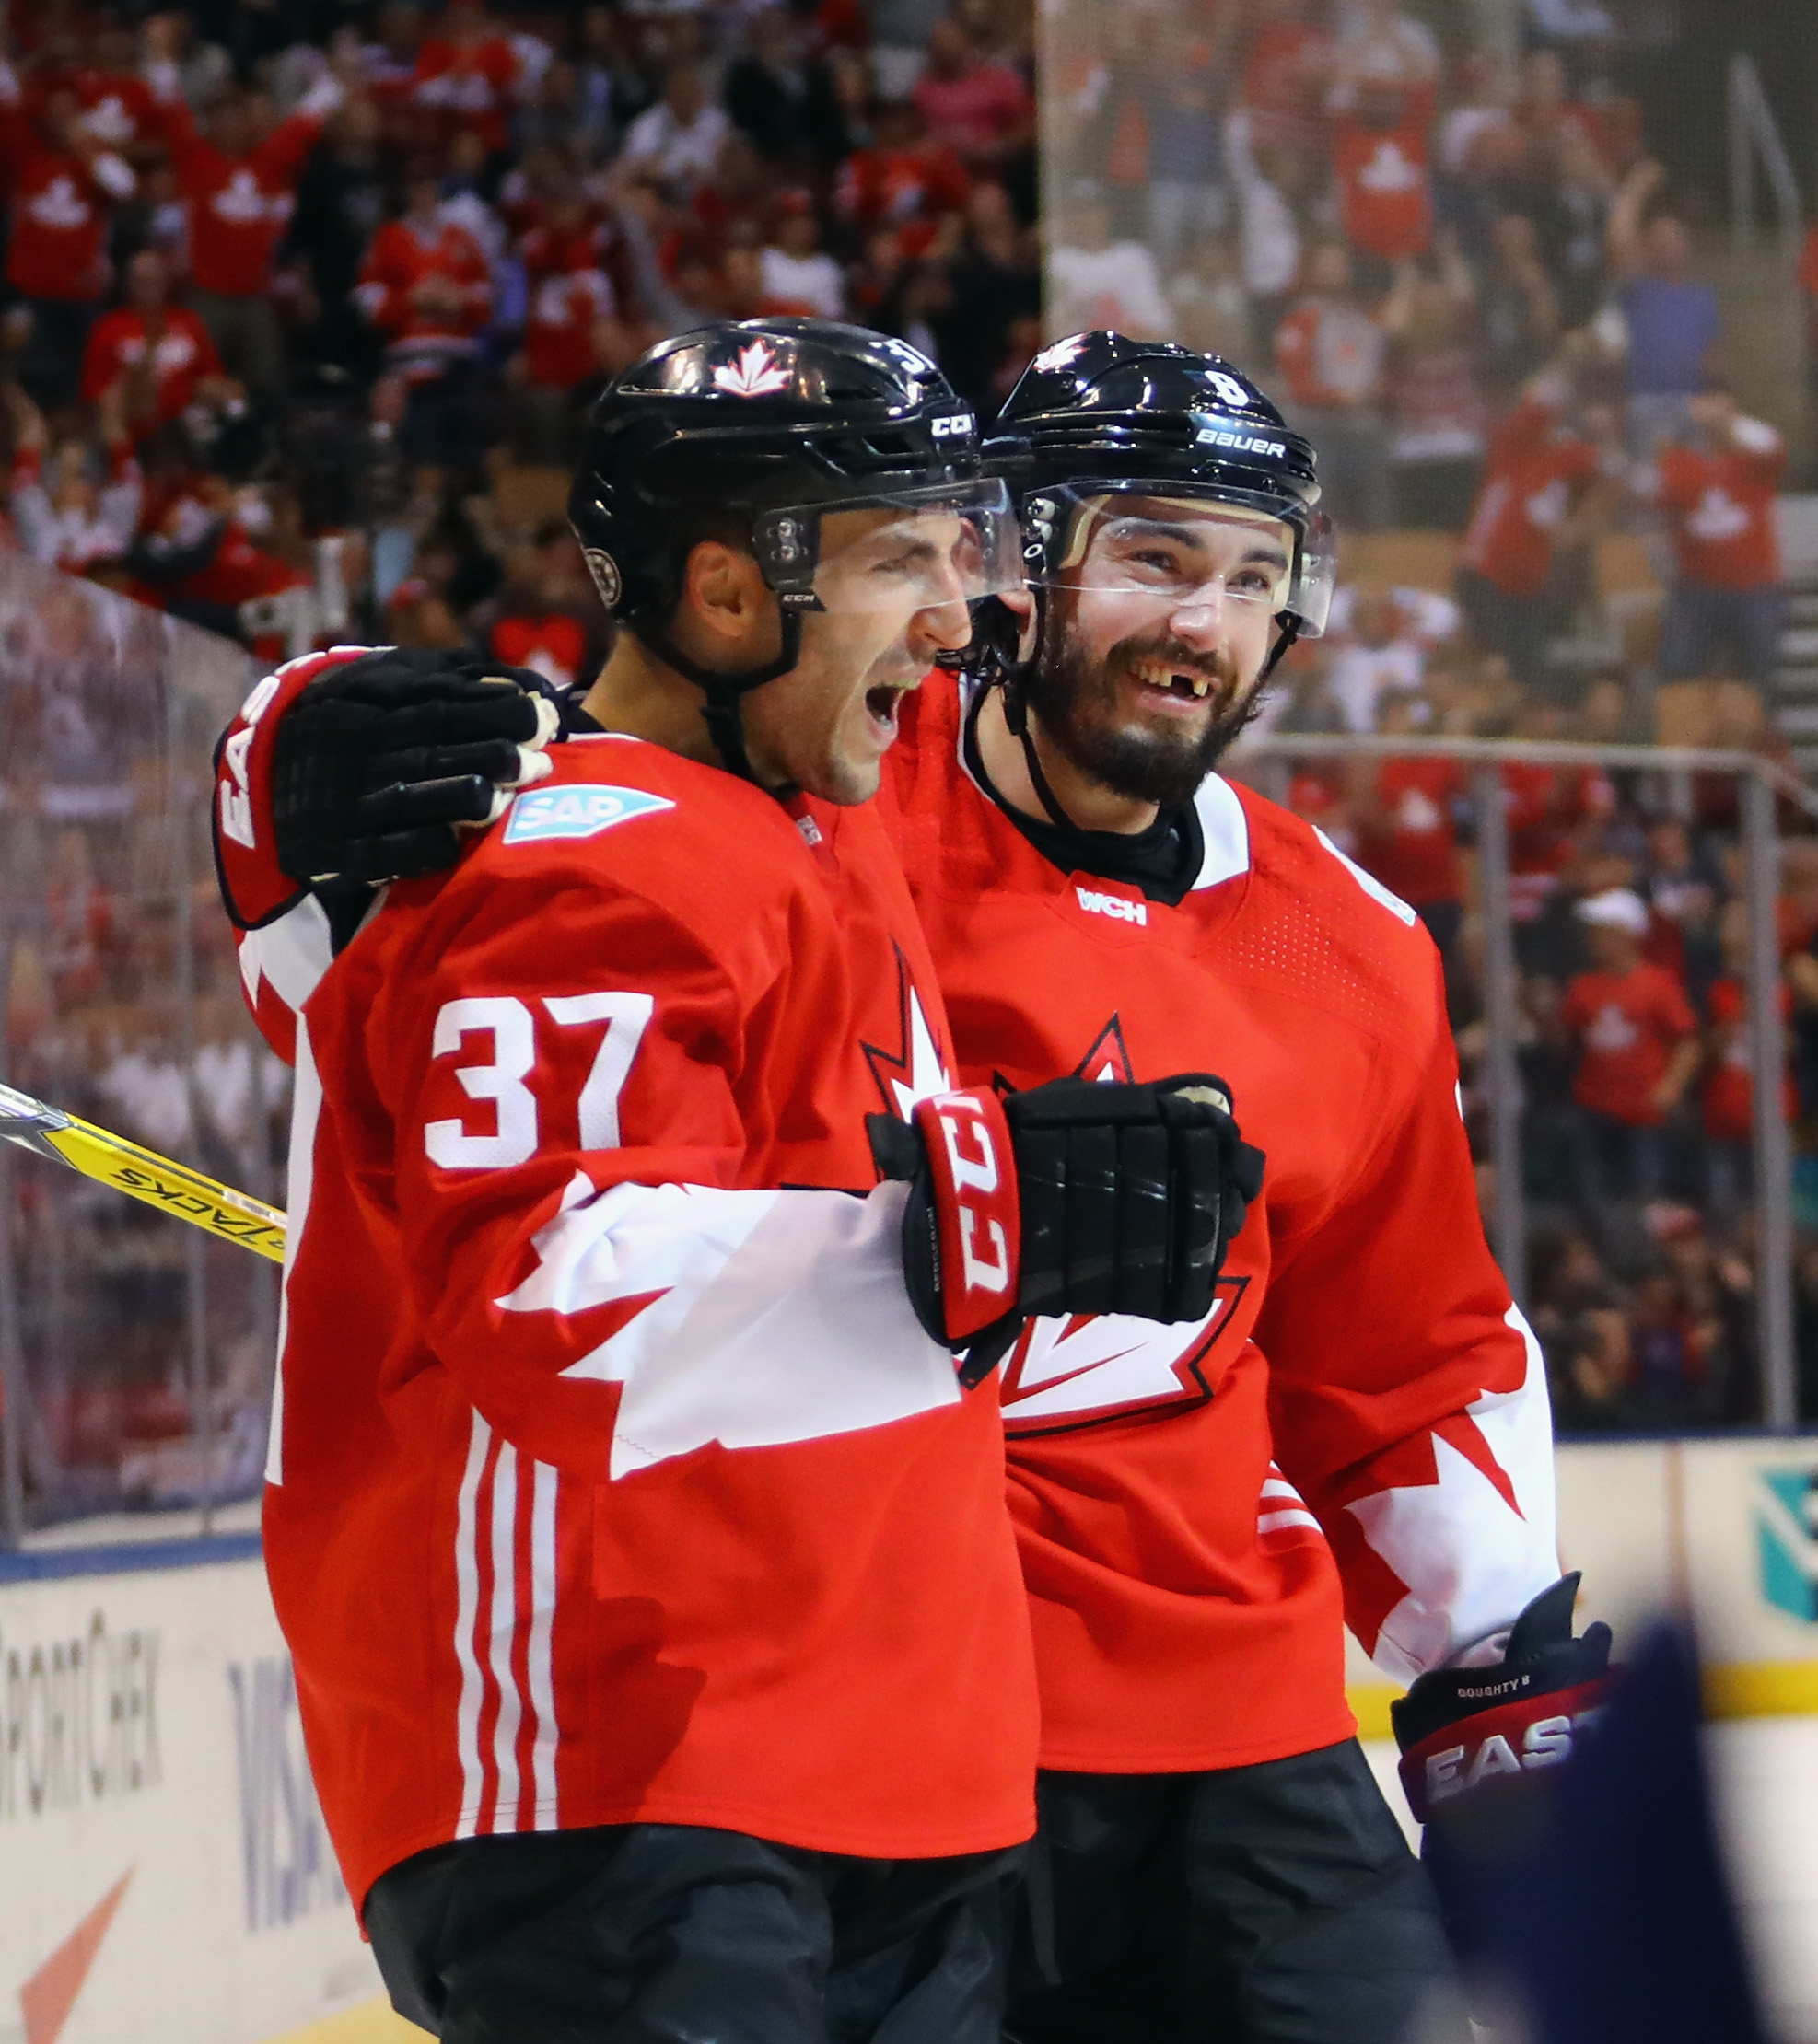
{"points": [[1178, 684], [881, 702]]}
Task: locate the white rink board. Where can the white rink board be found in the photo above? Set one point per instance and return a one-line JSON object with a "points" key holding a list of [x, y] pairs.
{"points": [[148, 1726], [147, 1723]]}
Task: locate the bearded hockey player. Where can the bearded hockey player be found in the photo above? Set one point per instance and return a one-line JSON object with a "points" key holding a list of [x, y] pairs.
{"points": [[1357, 1428], [636, 1509]]}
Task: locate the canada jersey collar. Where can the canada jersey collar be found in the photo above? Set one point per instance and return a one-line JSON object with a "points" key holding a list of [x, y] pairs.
{"points": [[1215, 819]]}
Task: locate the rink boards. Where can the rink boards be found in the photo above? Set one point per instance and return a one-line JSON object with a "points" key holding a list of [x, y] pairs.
{"points": [[164, 1877]]}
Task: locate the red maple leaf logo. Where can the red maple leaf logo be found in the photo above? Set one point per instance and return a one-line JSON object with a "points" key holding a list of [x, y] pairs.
{"points": [[756, 373]]}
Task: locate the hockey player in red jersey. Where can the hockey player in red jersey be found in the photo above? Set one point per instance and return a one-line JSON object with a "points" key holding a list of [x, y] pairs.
{"points": [[1357, 1427], [660, 1639]]}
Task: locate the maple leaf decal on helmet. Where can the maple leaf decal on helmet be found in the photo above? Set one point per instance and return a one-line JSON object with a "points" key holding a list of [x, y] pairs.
{"points": [[756, 373]]}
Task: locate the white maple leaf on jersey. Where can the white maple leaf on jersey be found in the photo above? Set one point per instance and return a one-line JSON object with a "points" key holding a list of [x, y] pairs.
{"points": [[1718, 517], [1389, 170], [927, 1075], [1469, 1562], [1081, 1366], [757, 373], [758, 1317]]}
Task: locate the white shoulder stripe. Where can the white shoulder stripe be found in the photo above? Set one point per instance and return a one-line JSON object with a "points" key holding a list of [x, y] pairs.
{"points": [[1369, 882], [290, 954], [1226, 830], [306, 1108]]}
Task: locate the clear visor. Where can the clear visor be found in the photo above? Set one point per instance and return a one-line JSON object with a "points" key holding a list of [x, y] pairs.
{"points": [[918, 550], [1177, 551]]}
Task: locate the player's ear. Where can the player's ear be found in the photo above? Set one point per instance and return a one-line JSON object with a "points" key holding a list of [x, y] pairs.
{"points": [[1021, 604], [724, 596]]}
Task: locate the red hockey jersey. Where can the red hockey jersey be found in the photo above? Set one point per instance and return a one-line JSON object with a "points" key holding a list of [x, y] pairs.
{"points": [[612, 1478], [1364, 1406]]}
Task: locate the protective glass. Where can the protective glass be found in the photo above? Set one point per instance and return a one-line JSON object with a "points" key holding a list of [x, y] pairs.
{"points": [[1176, 551], [911, 551]]}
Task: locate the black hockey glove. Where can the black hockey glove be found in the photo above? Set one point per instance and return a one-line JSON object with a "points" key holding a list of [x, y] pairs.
{"points": [[1477, 1748], [380, 761], [1070, 1197]]}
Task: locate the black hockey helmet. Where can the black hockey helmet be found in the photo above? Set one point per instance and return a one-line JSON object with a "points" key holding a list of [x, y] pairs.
{"points": [[1098, 414], [768, 424]]}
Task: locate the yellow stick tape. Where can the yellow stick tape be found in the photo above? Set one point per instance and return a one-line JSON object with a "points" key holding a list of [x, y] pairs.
{"points": [[144, 1175], [173, 1188]]}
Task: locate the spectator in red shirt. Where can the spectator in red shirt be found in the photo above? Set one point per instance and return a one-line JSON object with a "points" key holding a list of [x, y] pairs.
{"points": [[1330, 352], [118, 109], [1553, 813], [546, 617], [1639, 1050], [60, 183], [240, 182], [1717, 483], [1728, 1093], [160, 355], [979, 108], [472, 75], [1536, 498], [1385, 190], [573, 331], [1286, 79], [1406, 832], [904, 181], [425, 287]]}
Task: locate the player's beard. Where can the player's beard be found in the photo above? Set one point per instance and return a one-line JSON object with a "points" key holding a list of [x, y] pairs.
{"points": [[1074, 698]]}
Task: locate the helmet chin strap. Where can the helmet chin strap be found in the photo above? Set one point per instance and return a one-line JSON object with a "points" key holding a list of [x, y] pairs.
{"points": [[1015, 715], [1011, 676], [725, 692], [1290, 631]]}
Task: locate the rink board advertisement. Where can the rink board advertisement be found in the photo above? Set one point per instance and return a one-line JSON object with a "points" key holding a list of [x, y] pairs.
{"points": [[164, 1877], [164, 1871]]}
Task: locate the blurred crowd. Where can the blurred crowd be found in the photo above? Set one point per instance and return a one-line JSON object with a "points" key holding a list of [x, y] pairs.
{"points": [[304, 301], [1629, 895]]}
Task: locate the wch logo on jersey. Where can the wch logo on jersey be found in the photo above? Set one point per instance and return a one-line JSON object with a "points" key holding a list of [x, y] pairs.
{"points": [[582, 811], [1785, 1518], [1120, 907]]}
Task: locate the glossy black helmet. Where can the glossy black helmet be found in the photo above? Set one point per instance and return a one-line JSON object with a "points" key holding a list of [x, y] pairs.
{"points": [[762, 426], [1098, 413]]}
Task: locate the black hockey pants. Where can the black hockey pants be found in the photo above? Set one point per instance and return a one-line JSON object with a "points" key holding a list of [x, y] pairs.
{"points": [[661, 1933], [1274, 1904]]}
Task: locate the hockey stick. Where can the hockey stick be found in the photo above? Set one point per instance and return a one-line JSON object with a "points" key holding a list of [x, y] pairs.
{"points": [[173, 1188]]}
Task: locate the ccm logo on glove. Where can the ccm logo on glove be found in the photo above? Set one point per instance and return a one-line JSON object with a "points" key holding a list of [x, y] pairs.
{"points": [[975, 1205]]}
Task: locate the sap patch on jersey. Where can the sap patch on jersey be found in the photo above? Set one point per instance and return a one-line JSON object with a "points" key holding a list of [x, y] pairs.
{"points": [[580, 811]]}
